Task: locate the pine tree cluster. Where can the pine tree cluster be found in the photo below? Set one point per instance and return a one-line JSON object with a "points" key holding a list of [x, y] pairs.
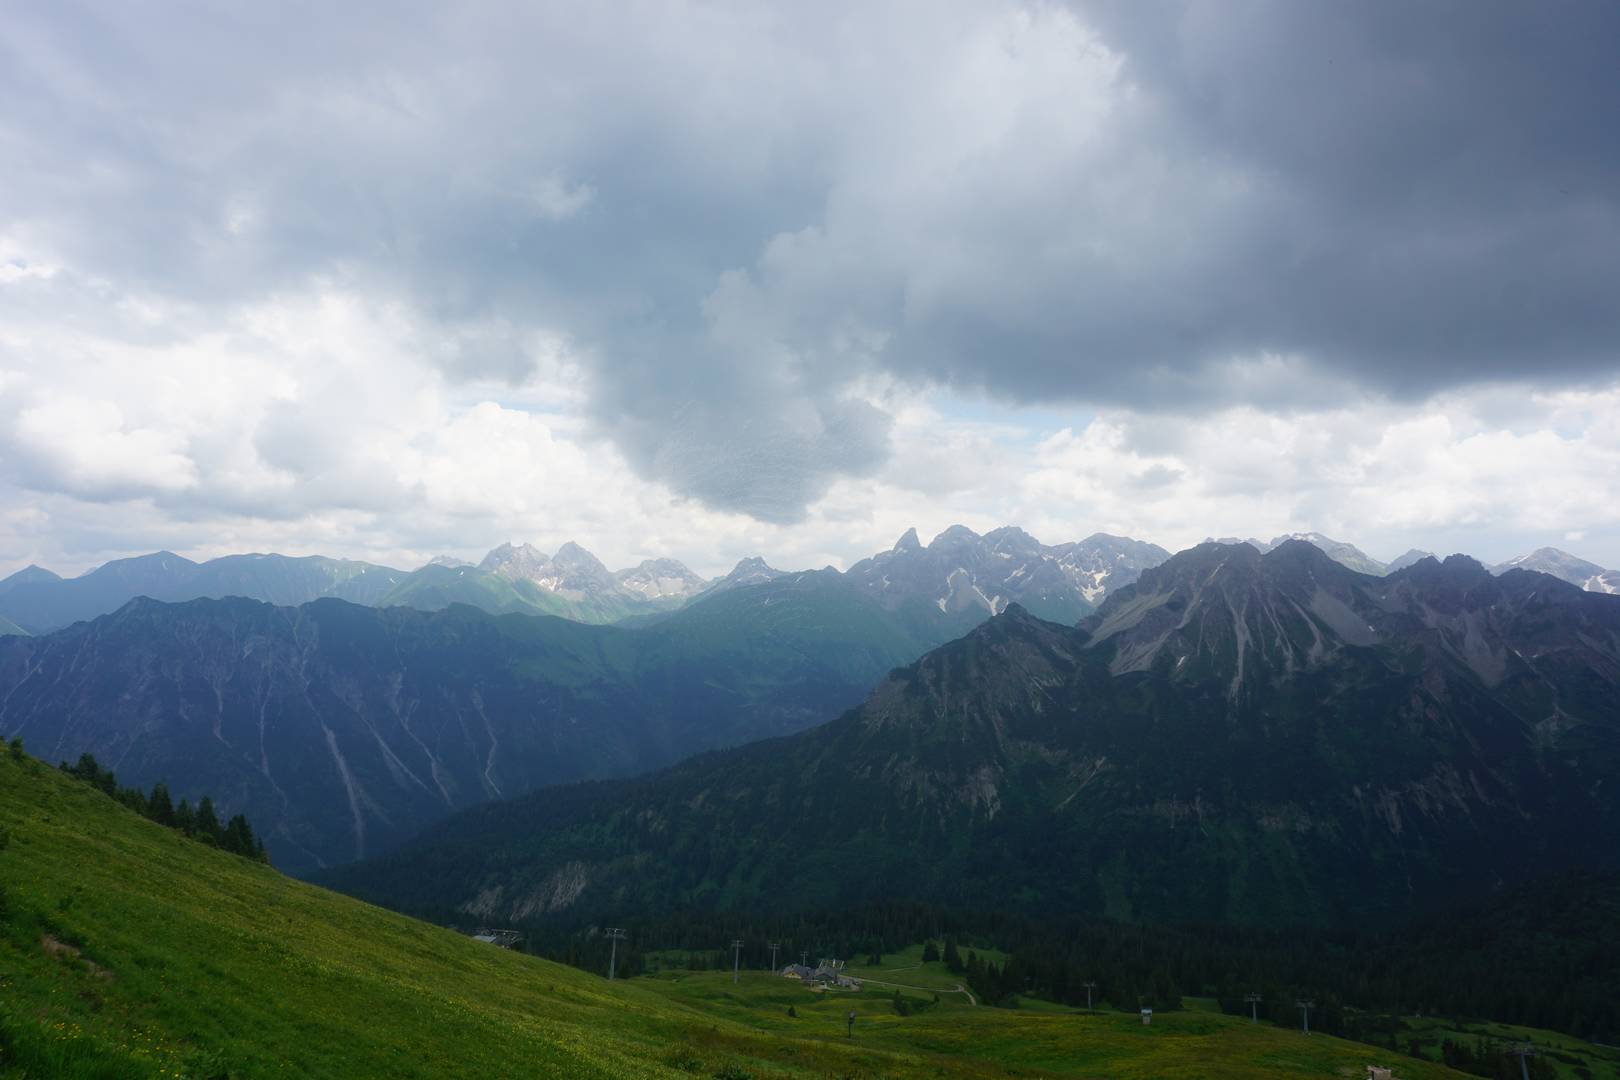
{"points": [[200, 822]]}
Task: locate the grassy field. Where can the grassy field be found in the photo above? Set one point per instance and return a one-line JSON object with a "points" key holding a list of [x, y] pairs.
{"points": [[128, 951], [907, 970], [1571, 1058], [957, 1039]]}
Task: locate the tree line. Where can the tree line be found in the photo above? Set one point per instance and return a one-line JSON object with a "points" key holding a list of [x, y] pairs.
{"points": [[200, 822], [1543, 955]]}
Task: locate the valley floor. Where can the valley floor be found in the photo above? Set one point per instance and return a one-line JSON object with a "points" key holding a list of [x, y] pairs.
{"points": [[128, 950]]}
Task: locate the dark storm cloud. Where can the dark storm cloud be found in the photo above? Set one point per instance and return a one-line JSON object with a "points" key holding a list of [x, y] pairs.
{"points": [[1443, 178], [1382, 198], [732, 215]]}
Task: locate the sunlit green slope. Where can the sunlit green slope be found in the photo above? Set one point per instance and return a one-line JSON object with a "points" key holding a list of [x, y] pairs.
{"points": [[130, 951]]}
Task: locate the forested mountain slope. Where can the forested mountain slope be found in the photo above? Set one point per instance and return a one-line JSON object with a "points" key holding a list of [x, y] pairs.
{"points": [[343, 729], [1237, 737]]}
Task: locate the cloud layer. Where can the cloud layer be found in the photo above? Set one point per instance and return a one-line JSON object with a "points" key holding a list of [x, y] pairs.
{"points": [[707, 280]]}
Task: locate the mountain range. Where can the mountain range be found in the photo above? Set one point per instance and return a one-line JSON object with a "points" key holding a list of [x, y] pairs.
{"points": [[963, 572], [40, 601], [959, 571], [388, 718], [345, 728], [574, 584], [1238, 736], [1337, 550]]}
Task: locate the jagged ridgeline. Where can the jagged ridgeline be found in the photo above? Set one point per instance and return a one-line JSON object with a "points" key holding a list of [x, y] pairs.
{"points": [[960, 572], [342, 730], [1238, 737]]}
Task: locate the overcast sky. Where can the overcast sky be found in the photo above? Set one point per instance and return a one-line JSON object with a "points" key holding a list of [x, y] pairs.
{"points": [[713, 280]]}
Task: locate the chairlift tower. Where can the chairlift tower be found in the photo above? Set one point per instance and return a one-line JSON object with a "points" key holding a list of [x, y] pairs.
{"points": [[774, 947], [1090, 986], [1254, 1007], [736, 958], [1305, 1008], [615, 934], [1524, 1052]]}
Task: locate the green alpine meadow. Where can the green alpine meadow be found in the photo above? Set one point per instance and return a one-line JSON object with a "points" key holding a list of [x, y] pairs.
{"points": [[133, 951]]}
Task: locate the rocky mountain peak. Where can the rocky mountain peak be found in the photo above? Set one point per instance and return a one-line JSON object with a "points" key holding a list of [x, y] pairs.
{"points": [[750, 571], [955, 536], [1551, 560], [1454, 569], [513, 562], [1339, 551], [1296, 553], [571, 554], [28, 575], [1566, 567], [1412, 556], [573, 569], [658, 579], [967, 576], [1226, 612], [1013, 541]]}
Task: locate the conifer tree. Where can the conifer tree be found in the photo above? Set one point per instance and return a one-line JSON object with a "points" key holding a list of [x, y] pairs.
{"points": [[184, 818], [159, 807], [207, 823], [236, 839], [134, 798], [953, 959], [930, 953]]}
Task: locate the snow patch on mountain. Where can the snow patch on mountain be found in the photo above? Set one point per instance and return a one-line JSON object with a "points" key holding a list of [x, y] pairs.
{"points": [[1566, 567], [960, 571]]}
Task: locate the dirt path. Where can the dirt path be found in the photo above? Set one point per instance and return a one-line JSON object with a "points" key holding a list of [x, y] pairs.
{"points": [[960, 988]]}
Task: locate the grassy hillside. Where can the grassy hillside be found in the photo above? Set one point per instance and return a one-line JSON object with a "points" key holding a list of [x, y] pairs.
{"points": [[130, 951], [961, 1040], [1565, 1056]]}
